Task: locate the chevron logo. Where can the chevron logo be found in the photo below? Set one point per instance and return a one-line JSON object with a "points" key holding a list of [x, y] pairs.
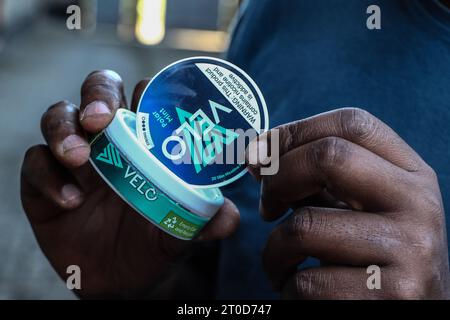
{"points": [[205, 138], [110, 156]]}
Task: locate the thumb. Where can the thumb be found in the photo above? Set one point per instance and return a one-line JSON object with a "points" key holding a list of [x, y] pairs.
{"points": [[223, 224]]}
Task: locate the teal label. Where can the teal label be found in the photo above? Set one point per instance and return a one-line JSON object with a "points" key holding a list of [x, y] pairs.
{"points": [[141, 193]]}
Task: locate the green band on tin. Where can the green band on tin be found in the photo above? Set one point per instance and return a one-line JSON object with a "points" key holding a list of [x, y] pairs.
{"points": [[141, 193]]}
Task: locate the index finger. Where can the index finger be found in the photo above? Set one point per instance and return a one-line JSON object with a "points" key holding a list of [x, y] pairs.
{"points": [[352, 124], [102, 94]]}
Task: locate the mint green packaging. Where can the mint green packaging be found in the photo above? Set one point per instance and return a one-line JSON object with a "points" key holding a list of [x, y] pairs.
{"points": [[146, 185]]}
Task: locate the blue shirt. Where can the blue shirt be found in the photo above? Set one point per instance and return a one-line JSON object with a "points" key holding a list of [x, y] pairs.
{"points": [[313, 56]]}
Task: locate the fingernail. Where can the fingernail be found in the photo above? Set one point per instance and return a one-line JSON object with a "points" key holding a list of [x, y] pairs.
{"points": [[257, 151], [73, 142], [95, 108], [71, 193]]}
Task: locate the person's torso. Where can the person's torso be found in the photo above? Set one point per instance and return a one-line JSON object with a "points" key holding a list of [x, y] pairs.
{"points": [[313, 56]]}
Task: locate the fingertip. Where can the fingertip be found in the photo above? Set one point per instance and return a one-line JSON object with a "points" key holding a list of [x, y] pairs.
{"points": [[230, 213], [232, 218], [229, 206], [223, 224]]}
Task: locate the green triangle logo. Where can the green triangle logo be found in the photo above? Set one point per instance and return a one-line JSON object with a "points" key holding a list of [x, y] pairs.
{"points": [[111, 156]]}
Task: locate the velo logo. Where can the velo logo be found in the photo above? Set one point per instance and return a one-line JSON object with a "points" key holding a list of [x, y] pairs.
{"points": [[202, 137], [111, 156]]}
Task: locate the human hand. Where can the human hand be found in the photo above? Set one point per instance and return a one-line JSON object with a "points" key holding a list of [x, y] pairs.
{"points": [[79, 220], [361, 196]]}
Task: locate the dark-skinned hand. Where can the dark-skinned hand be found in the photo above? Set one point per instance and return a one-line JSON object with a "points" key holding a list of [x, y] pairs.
{"points": [[79, 220], [361, 196]]}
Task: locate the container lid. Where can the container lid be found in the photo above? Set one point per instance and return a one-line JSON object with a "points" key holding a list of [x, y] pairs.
{"points": [[197, 117], [122, 133]]}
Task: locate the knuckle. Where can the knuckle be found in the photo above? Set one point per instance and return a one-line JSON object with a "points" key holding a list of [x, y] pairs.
{"points": [[331, 152], [432, 278], [58, 109], [101, 78], [430, 201], [426, 199], [60, 104], [91, 90], [433, 204], [301, 224], [430, 207], [390, 238], [426, 248], [61, 116], [104, 74], [289, 132], [431, 174], [95, 73], [358, 123]]}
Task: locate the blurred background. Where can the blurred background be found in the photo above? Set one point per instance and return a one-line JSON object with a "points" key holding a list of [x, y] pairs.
{"points": [[44, 58]]}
